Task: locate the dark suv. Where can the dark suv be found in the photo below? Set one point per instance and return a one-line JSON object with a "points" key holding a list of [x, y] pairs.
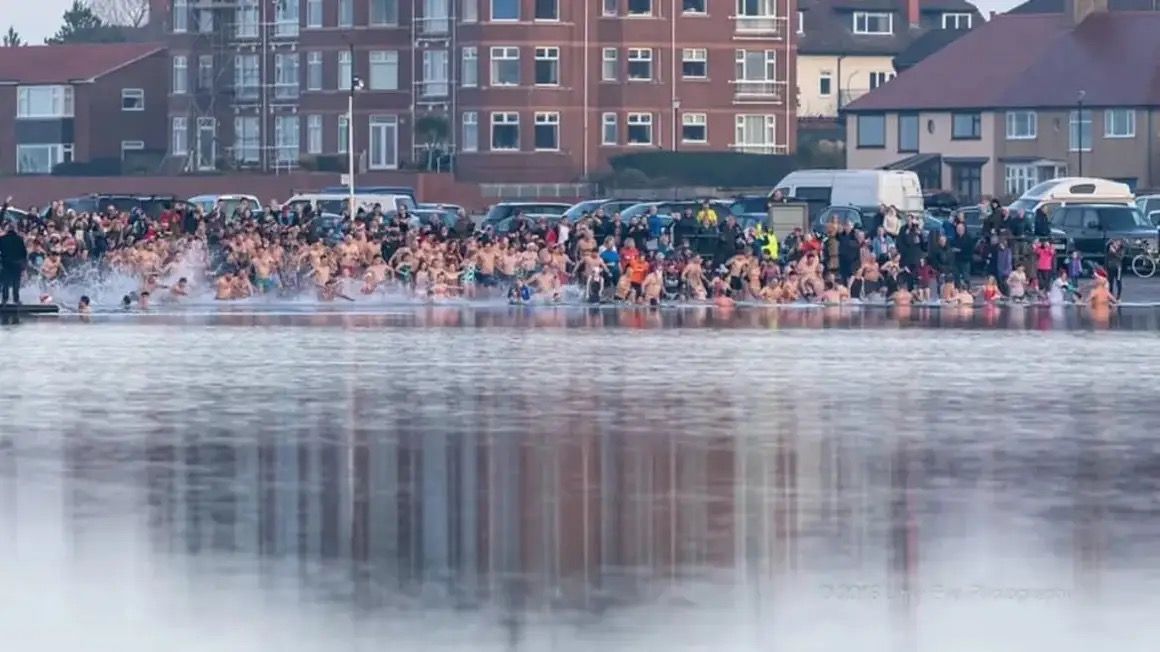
{"points": [[1088, 228]]}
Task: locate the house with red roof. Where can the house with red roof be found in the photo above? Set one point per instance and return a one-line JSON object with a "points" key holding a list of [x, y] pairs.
{"points": [[82, 104], [1021, 99]]}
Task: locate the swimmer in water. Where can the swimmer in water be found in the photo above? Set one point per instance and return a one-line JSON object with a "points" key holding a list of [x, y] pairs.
{"points": [[126, 302], [225, 288], [1099, 296], [84, 306], [181, 289], [143, 301]]}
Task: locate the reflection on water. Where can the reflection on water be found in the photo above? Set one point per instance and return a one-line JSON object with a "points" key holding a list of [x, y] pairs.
{"points": [[322, 488]]}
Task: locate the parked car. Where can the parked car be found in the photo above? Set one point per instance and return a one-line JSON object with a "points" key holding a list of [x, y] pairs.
{"points": [[721, 207], [229, 203], [151, 205], [610, 206], [1149, 206], [508, 224], [504, 210], [1088, 228], [436, 217]]}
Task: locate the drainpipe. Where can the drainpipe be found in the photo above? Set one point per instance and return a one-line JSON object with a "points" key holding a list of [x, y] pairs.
{"points": [[673, 70], [587, 83], [790, 29]]}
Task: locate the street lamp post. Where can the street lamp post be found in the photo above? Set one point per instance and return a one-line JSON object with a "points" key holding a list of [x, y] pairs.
{"points": [[1079, 127], [355, 84]]}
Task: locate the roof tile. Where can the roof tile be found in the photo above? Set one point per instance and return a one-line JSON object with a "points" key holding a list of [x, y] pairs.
{"points": [[58, 64]]}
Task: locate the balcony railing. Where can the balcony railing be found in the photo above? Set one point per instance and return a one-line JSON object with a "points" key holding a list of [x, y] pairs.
{"points": [[758, 148], [434, 88], [434, 26], [759, 90], [767, 26], [246, 93], [288, 91]]}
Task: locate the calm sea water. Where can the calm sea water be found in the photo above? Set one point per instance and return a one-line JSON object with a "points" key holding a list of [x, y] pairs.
{"points": [[565, 481]]}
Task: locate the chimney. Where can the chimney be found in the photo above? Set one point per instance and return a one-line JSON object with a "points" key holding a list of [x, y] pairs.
{"points": [[1078, 10], [913, 15]]}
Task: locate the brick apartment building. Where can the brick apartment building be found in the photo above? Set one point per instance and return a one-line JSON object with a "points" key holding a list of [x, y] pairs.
{"points": [[80, 103], [528, 90]]}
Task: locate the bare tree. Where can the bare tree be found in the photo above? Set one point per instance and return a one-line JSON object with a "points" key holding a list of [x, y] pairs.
{"points": [[129, 13]]}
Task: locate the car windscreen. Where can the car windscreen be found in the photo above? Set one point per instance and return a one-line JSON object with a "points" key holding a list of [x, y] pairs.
{"points": [[749, 205], [1122, 218]]}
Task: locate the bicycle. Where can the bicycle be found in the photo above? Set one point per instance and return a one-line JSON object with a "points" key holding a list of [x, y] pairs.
{"points": [[1144, 265]]}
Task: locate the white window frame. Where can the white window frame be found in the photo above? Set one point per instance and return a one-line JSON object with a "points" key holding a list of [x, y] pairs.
{"points": [[1110, 130], [343, 126], [757, 16], [345, 70], [491, 12], [60, 98], [57, 153], [503, 53], [769, 129], [314, 134], [504, 118], [180, 16], [469, 67], [469, 130], [205, 74], [703, 10], [609, 65], [958, 18], [609, 122], [879, 78], [695, 120], [827, 76], [1013, 120], [131, 93], [436, 81], [468, 11], [286, 18], [180, 62], [203, 123], [640, 120], [131, 146], [390, 17], [609, 7], [247, 17], [286, 75], [639, 55], [383, 123], [1075, 123], [695, 55], [247, 140], [629, 13], [179, 126], [556, 19], [546, 53], [287, 141], [314, 74], [864, 17], [247, 84], [801, 22], [345, 13], [747, 82], [383, 70], [1018, 178], [313, 14], [546, 119]]}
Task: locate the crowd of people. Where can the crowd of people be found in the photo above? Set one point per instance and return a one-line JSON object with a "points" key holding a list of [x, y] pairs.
{"points": [[697, 256]]}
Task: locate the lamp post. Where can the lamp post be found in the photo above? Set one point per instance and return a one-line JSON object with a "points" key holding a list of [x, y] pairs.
{"points": [[355, 84], [1079, 127]]}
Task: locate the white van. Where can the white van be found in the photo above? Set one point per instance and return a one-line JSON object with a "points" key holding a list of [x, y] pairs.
{"points": [[865, 190], [337, 202], [1073, 190]]}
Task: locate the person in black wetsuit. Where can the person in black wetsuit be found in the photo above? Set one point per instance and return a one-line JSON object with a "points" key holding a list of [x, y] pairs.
{"points": [[13, 257]]}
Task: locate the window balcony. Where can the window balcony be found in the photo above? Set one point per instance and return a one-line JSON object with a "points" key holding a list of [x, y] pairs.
{"points": [[246, 93], [435, 26], [285, 91], [758, 90], [758, 148], [434, 88], [764, 26]]}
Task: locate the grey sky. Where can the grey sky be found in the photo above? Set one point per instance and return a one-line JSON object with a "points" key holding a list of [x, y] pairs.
{"points": [[38, 19]]}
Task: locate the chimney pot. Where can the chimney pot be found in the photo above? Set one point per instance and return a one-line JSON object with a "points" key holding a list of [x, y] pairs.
{"points": [[913, 13]]}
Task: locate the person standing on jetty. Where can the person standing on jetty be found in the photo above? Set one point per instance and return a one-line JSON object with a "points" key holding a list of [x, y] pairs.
{"points": [[13, 257]]}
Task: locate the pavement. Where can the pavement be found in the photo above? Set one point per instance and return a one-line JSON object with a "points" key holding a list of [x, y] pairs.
{"points": [[1139, 290]]}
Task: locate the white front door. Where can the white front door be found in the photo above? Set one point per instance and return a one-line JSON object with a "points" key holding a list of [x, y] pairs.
{"points": [[384, 142]]}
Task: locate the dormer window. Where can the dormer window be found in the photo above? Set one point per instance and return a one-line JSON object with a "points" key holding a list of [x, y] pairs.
{"points": [[956, 20], [873, 22]]}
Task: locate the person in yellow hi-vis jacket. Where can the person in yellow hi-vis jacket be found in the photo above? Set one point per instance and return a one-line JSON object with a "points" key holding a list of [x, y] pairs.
{"points": [[706, 216], [768, 242]]}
